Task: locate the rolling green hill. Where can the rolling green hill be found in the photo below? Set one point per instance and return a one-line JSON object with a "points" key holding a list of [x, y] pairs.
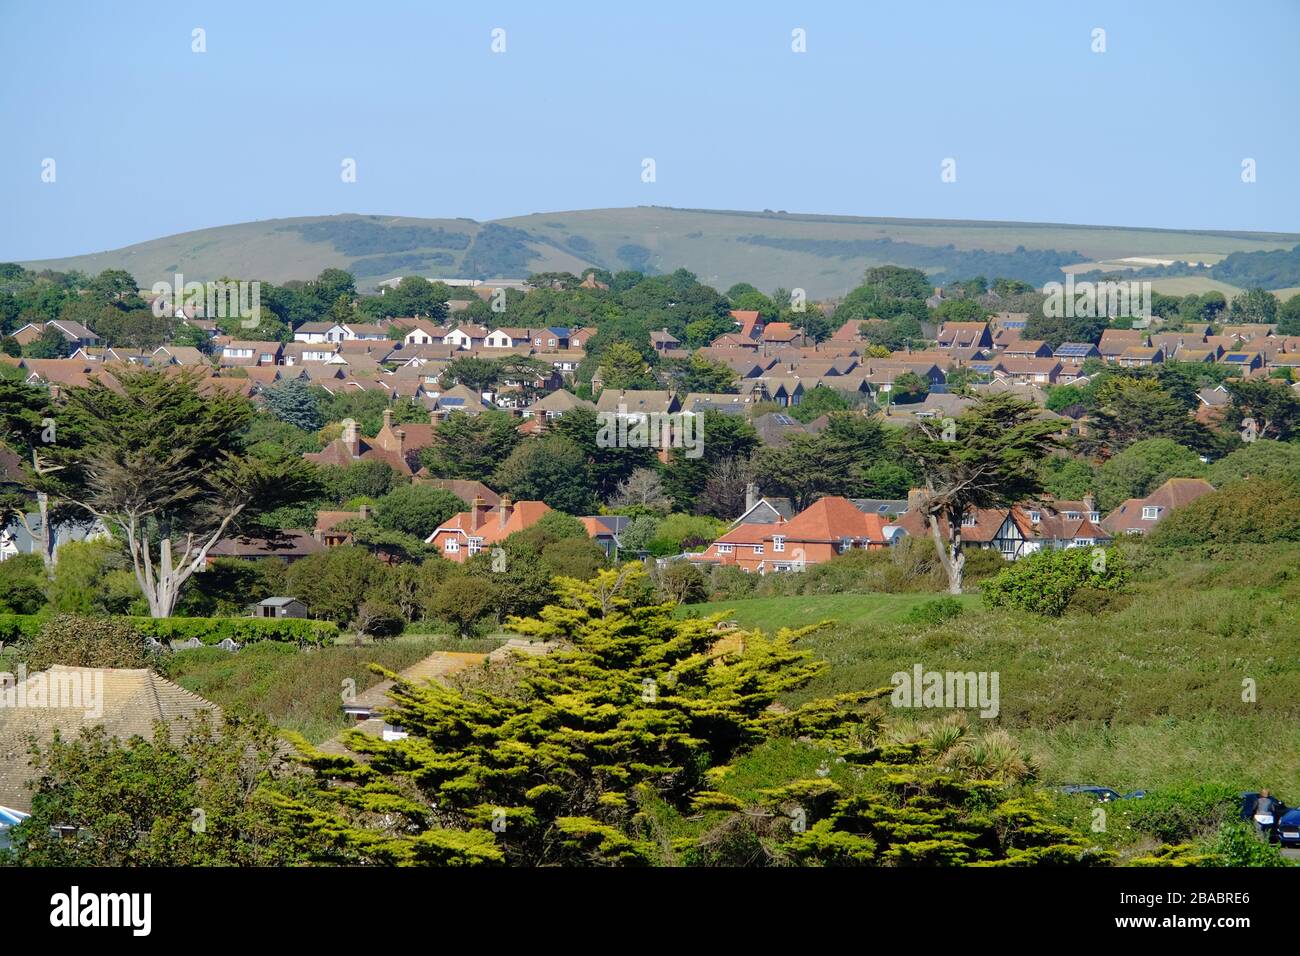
{"points": [[825, 255]]}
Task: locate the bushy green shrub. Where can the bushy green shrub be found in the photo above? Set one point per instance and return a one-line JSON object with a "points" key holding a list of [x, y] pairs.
{"points": [[1253, 511], [80, 641], [934, 612], [1044, 582], [19, 627], [209, 630]]}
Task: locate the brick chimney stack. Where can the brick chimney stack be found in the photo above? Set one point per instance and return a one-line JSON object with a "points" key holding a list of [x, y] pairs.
{"points": [[364, 511], [475, 513], [388, 418], [352, 438], [1089, 503], [751, 496], [503, 511]]}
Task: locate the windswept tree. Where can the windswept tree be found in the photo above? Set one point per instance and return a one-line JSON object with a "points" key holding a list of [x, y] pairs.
{"points": [[28, 474], [159, 461], [987, 457]]}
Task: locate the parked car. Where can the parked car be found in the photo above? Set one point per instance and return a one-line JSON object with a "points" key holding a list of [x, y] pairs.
{"points": [[1104, 794]]}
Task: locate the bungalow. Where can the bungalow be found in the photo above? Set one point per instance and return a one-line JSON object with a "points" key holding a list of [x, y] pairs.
{"points": [[1115, 342], [827, 527], [557, 404], [1140, 515], [964, 335], [467, 533], [1139, 356], [289, 545], [1027, 349], [460, 398], [663, 340], [237, 353], [317, 332], [1037, 371], [779, 334], [465, 336], [505, 338], [128, 702], [1246, 362], [630, 402], [423, 332]]}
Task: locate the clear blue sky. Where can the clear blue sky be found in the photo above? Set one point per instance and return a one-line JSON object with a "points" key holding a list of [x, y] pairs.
{"points": [[151, 139]]}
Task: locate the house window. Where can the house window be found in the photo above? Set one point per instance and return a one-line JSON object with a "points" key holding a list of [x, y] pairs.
{"points": [[473, 546], [550, 342], [758, 549], [968, 521], [537, 341], [452, 546], [1008, 546], [1084, 542], [1094, 515], [1150, 512], [1072, 514], [724, 549], [1035, 517], [778, 542]]}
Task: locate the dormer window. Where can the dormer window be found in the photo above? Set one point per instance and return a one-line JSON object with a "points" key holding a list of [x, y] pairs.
{"points": [[1150, 512], [778, 542], [968, 521], [1094, 516], [1035, 516], [1072, 514]]}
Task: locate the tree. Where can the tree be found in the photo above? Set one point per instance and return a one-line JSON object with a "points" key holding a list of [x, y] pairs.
{"points": [[632, 709], [477, 373], [552, 469], [1257, 459], [50, 344], [293, 401], [462, 601], [909, 387], [1288, 316], [625, 367], [1132, 409], [379, 618], [819, 401], [1253, 305], [29, 431], [81, 641], [721, 437], [990, 459], [698, 374], [132, 803], [681, 582], [1143, 467], [158, 460], [334, 582], [1273, 407], [470, 446], [608, 463], [416, 509], [1252, 511], [643, 488]]}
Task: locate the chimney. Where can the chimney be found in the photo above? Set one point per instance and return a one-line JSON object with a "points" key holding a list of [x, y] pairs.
{"points": [[1089, 503], [364, 511], [352, 438], [401, 437], [751, 495], [914, 498], [503, 511], [475, 513], [388, 418]]}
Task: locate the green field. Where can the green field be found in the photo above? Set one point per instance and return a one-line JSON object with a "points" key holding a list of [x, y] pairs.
{"points": [[1145, 695], [812, 252]]}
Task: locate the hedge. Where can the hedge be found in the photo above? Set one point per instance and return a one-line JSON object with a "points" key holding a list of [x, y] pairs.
{"points": [[209, 630]]}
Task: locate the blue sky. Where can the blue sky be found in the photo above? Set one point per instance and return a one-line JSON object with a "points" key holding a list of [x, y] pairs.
{"points": [[150, 138]]}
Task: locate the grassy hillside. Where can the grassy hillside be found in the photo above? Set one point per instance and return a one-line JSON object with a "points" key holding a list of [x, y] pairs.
{"points": [[1145, 694], [826, 255]]}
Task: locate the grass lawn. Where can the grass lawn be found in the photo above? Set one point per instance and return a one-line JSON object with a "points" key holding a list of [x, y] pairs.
{"points": [[1145, 694]]}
